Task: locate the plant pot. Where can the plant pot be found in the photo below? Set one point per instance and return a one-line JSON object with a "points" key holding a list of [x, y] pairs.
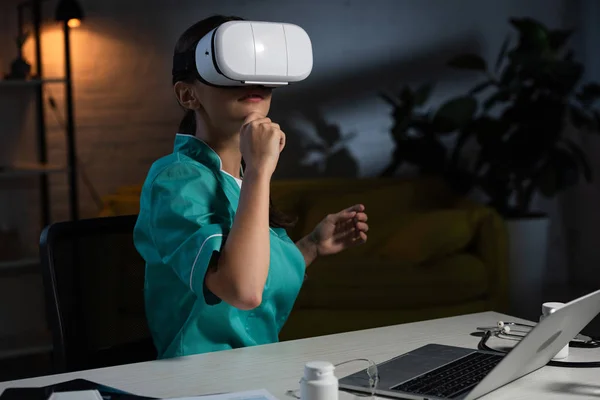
{"points": [[528, 245], [19, 69]]}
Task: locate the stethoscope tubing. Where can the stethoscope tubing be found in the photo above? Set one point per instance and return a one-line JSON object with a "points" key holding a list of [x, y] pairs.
{"points": [[500, 331]]}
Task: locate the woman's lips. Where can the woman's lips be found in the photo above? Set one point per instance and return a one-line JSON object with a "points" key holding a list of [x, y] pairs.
{"points": [[252, 98], [254, 94]]}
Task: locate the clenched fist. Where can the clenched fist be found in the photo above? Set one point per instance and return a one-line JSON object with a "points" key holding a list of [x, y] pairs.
{"points": [[261, 141]]}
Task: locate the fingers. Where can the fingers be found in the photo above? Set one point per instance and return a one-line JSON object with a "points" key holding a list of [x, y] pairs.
{"points": [[361, 217], [344, 215], [362, 237], [356, 211], [353, 239], [351, 230], [358, 238], [253, 116], [256, 120], [362, 227], [260, 121], [281, 141], [356, 207]]}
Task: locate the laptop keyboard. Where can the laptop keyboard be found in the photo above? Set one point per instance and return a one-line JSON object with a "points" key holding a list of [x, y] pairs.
{"points": [[452, 379]]}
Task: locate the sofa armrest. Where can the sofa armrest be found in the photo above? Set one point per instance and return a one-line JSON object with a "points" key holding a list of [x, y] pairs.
{"points": [[491, 245]]}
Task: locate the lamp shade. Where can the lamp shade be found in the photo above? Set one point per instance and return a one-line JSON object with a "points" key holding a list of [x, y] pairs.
{"points": [[68, 10]]}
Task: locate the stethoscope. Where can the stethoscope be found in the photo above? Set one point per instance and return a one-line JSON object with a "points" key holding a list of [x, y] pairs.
{"points": [[517, 331]]}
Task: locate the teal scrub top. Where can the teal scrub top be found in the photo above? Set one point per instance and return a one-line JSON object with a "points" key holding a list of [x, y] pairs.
{"points": [[187, 207]]}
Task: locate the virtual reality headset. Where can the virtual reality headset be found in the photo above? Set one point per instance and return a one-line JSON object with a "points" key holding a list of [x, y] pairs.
{"points": [[240, 53]]}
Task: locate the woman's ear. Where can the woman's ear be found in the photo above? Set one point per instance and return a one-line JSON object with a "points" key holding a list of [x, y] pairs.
{"points": [[186, 95]]}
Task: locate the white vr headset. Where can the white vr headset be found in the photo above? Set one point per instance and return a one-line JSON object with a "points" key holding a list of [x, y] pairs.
{"points": [[239, 53]]}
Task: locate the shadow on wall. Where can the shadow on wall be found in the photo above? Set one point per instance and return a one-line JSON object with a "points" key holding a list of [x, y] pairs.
{"points": [[316, 145], [316, 150]]}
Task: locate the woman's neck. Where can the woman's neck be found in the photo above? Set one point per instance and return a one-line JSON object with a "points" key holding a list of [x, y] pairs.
{"points": [[226, 145], [231, 157]]}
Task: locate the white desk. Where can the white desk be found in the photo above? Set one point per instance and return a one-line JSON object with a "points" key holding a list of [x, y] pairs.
{"points": [[278, 367]]}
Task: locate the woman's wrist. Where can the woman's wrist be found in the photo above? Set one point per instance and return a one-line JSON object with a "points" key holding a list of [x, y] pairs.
{"points": [[309, 248], [257, 175]]}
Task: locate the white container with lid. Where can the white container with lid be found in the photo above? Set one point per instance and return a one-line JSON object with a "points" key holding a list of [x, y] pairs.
{"points": [[547, 309], [319, 382]]}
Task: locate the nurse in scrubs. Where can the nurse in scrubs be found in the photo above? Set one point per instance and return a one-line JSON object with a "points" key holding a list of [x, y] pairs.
{"points": [[221, 272]]}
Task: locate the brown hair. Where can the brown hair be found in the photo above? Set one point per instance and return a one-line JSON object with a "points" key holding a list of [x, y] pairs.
{"points": [[186, 42]]}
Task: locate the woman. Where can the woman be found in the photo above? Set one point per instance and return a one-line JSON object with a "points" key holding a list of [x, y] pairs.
{"points": [[221, 271]]}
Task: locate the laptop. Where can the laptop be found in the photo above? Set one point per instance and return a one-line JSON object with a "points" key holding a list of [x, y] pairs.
{"points": [[446, 372]]}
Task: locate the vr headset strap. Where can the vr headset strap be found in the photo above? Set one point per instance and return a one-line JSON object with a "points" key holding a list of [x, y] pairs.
{"points": [[184, 64]]}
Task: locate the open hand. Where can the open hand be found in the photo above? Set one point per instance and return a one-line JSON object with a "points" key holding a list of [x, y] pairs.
{"points": [[340, 231]]}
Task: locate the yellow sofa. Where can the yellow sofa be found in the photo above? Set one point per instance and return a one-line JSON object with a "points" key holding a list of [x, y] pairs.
{"points": [[429, 254]]}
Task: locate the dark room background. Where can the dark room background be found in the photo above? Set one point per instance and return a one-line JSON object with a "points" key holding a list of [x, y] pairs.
{"points": [[126, 115]]}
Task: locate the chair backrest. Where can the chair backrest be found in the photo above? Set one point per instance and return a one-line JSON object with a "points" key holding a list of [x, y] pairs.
{"points": [[94, 282]]}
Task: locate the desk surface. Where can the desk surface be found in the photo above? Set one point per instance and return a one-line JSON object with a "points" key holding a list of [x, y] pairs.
{"points": [[278, 367]]}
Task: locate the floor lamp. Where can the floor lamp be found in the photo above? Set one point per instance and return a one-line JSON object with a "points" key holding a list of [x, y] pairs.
{"points": [[70, 14]]}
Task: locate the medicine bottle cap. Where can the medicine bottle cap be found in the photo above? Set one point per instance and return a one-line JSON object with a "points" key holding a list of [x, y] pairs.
{"points": [[317, 369], [549, 308]]}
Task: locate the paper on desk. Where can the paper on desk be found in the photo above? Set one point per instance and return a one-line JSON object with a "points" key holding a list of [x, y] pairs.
{"points": [[260, 394], [77, 395]]}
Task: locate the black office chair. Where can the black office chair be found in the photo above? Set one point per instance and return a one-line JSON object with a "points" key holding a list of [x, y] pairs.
{"points": [[94, 282]]}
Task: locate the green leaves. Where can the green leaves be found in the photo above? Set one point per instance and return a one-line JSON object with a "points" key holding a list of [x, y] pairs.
{"points": [[558, 38], [502, 53], [524, 148], [408, 98], [422, 94], [454, 114], [529, 28], [516, 118], [469, 62], [481, 87], [499, 96], [389, 99], [413, 132], [536, 38], [533, 35]]}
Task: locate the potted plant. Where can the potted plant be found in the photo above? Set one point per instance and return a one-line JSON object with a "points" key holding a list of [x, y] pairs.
{"points": [[19, 68], [531, 106]]}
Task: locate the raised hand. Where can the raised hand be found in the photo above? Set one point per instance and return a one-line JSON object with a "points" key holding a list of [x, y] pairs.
{"points": [[340, 231], [261, 141]]}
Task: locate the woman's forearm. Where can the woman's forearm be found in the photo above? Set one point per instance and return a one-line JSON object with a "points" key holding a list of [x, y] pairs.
{"points": [[243, 266], [308, 248]]}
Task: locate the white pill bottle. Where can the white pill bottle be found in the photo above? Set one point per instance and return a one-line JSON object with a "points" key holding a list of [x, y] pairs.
{"points": [[547, 309], [319, 382]]}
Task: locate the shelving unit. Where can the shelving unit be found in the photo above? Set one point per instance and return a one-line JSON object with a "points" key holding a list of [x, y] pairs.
{"points": [[13, 347], [31, 82], [27, 169], [19, 263], [27, 343]]}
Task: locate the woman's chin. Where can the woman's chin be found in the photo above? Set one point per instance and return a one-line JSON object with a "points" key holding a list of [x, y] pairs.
{"points": [[245, 108]]}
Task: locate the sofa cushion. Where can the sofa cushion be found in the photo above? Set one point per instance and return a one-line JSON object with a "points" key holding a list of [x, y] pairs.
{"points": [[379, 206], [375, 285], [120, 204], [304, 323], [429, 236]]}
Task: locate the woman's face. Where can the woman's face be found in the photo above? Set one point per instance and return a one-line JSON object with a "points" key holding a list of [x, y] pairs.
{"points": [[226, 108]]}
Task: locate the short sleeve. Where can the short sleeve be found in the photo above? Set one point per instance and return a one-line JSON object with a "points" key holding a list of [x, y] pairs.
{"points": [[189, 222]]}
